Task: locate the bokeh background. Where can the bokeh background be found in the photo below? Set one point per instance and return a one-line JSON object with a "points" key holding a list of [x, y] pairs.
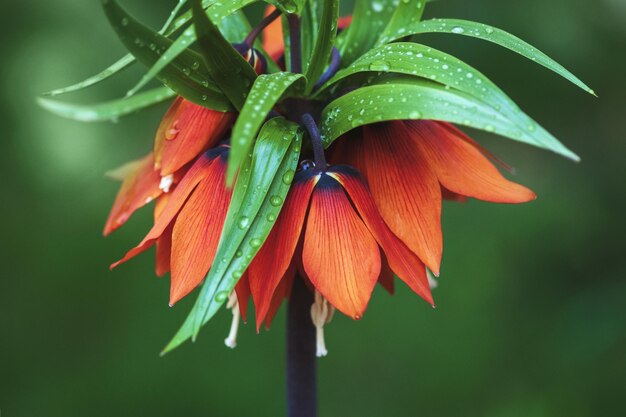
{"points": [[531, 317]]}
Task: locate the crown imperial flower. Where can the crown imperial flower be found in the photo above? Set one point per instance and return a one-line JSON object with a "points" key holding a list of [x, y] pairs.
{"points": [[247, 206]]}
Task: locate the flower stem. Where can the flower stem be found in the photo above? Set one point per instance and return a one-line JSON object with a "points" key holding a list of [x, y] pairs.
{"points": [[249, 41], [295, 43], [316, 141], [301, 365]]}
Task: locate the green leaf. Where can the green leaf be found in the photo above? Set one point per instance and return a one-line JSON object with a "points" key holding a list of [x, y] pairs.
{"points": [[310, 29], [168, 28], [259, 194], [289, 6], [265, 93], [186, 76], [408, 12], [491, 34], [119, 65], [110, 110], [324, 45], [368, 22], [226, 66], [422, 61], [412, 98], [233, 25]]}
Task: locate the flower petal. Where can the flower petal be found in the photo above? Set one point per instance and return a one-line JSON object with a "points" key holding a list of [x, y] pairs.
{"points": [[202, 168], [164, 242], [386, 276], [404, 263], [186, 133], [340, 255], [242, 289], [282, 291], [405, 189], [462, 167], [273, 41], [197, 232], [140, 186], [275, 256]]}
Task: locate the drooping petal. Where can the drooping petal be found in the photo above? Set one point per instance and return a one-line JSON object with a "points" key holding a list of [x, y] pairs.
{"points": [[403, 262], [139, 187], [461, 167], [405, 189], [340, 255], [282, 291], [197, 232], [202, 168], [186, 131], [275, 256], [163, 244], [273, 42], [386, 275], [242, 289]]}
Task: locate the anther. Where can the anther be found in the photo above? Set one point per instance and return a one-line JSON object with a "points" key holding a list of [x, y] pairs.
{"points": [[321, 313], [233, 304], [166, 183]]}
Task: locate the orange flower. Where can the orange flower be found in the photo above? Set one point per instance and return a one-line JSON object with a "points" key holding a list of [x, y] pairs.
{"points": [[140, 185], [188, 224], [186, 131], [338, 250], [410, 165]]}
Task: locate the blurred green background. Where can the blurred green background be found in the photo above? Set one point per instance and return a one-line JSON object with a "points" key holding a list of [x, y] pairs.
{"points": [[531, 317]]}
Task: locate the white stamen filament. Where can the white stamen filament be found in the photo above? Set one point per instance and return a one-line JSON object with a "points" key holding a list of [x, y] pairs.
{"points": [[166, 183], [321, 313], [233, 304]]}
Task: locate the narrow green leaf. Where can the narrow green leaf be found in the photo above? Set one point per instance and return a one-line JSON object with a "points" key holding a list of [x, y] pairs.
{"points": [[422, 61], [116, 67], [265, 93], [232, 24], [408, 12], [226, 66], [186, 76], [413, 98], [310, 30], [490, 34], [289, 6], [168, 28], [258, 196], [368, 22], [324, 45], [110, 110]]}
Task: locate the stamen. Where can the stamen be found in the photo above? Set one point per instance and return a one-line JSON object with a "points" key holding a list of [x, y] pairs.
{"points": [[233, 304], [166, 183], [321, 313], [316, 141]]}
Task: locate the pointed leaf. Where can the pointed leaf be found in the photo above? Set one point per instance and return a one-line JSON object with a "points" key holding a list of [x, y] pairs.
{"points": [[226, 66], [422, 61], [368, 22], [265, 93], [171, 25], [186, 76], [324, 44], [408, 12], [491, 34], [258, 197], [109, 110], [233, 25], [413, 98]]}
